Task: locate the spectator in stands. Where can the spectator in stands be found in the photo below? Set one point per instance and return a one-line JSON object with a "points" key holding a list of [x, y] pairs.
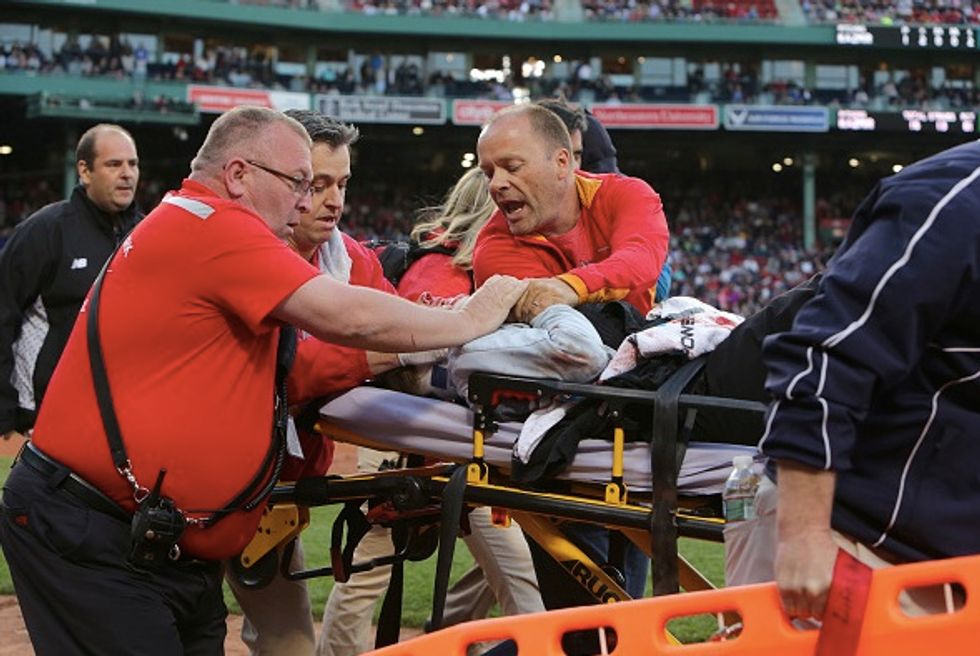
{"points": [[738, 255], [50, 262]]}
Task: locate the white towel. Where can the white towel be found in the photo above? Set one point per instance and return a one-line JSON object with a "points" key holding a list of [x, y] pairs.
{"points": [[690, 327]]}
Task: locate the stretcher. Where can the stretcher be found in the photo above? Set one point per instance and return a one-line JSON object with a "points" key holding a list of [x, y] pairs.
{"points": [[651, 492], [640, 627]]}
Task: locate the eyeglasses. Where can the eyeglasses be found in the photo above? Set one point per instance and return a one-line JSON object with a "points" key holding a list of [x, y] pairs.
{"points": [[300, 186]]}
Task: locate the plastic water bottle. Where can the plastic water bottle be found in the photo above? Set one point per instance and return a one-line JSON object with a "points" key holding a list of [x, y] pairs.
{"points": [[740, 488]]}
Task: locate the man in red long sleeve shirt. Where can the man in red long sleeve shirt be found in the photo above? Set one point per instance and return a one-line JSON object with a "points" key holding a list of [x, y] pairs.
{"points": [[580, 237]]}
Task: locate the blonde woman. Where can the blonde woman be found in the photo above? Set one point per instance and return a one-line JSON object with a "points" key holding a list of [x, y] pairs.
{"points": [[440, 266], [436, 270]]}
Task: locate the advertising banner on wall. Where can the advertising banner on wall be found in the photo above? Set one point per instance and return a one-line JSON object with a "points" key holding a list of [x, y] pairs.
{"points": [[476, 112], [383, 109], [776, 118], [215, 100], [658, 117]]}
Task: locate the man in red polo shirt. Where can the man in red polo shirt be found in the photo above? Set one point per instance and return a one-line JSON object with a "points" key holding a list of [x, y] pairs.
{"points": [[188, 321], [278, 618]]}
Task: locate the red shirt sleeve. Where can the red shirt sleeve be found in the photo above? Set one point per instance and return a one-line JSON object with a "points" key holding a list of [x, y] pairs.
{"points": [[238, 285], [628, 216], [322, 368]]}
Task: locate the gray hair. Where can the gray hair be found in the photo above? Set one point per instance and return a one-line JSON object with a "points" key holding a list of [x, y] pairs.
{"points": [[237, 129]]}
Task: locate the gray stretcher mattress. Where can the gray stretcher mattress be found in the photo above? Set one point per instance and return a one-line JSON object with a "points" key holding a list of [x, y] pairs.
{"points": [[394, 421]]}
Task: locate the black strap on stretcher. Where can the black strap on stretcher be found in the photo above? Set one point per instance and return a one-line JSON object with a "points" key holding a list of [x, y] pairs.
{"points": [[666, 455], [390, 618], [452, 511], [667, 447]]}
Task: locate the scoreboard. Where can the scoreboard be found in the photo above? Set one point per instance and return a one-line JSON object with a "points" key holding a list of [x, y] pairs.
{"points": [[942, 37], [908, 120]]}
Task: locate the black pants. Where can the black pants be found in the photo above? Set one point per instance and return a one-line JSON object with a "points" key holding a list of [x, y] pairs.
{"points": [[79, 596]]}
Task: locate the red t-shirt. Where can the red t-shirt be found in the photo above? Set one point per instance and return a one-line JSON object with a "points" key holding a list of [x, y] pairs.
{"points": [[190, 352], [436, 275]]}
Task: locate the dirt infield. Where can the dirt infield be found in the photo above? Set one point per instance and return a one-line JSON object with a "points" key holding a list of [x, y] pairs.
{"points": [[16, 643]]}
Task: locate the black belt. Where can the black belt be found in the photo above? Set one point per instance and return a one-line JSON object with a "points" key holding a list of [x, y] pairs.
{"points": [[70, 483]]}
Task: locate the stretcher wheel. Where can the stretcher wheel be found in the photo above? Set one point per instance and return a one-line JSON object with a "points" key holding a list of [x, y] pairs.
{"points": [[258, 575]]}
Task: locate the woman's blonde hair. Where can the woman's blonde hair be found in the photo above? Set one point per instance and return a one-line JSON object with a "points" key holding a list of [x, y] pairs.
{"points": [[465, 210]]}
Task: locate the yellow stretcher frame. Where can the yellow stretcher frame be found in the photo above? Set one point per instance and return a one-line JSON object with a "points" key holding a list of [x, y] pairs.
{"points": [[653, 530]]}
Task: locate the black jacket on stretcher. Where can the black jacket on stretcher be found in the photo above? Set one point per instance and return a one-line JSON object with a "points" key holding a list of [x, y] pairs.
{"points": [[879, 378], [46, 269]]}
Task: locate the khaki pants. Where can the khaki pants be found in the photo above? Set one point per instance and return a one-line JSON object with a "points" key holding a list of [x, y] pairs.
{"points": [[504, 574], [278, 619], [750, 545]]}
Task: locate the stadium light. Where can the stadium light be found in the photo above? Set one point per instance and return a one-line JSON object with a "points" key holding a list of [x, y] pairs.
{"points": [[418, 130], [788, 161], [6, 149], [853, 162], [466, 163], [896, 168], [468, 157], [556, 59], [777, 167]]}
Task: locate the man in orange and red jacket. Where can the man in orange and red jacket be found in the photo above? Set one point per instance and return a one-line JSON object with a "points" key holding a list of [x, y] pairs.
{"points": [[580, 237]]}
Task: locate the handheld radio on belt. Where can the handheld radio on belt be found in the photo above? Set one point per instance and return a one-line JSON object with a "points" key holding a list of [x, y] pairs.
{"points": [[158, 522]]}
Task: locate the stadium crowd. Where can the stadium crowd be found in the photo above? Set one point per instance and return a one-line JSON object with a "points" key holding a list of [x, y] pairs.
{"points": [[884, 12], [259, 67], [738, 254], [895, 12]]}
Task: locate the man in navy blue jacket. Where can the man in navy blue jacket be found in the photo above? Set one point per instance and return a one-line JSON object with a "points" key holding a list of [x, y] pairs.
{"points": [[876, 413]]}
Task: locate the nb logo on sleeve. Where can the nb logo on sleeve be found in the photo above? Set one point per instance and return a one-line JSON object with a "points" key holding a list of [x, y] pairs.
{"points": [[79, 263]]}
